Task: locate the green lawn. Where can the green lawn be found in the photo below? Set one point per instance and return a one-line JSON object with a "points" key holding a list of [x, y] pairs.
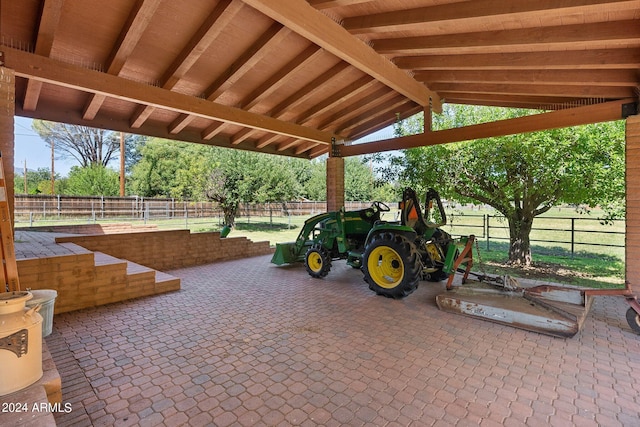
{"points": [[589, 265]]}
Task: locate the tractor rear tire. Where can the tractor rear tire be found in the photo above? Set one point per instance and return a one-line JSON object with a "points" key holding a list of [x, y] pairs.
{"points": [[317, 261], [391, 265], [633, 319]]}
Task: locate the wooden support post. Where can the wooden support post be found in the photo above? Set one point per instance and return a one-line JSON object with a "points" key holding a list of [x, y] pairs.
{"points": [[632, 238], [335, 183], [7, 112]]}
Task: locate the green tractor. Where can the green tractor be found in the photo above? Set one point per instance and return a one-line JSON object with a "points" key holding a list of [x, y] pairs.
{"points": [[393, 255]]}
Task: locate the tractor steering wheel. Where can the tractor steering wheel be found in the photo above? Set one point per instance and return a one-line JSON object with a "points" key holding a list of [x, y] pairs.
{"points": [[381, 207]]}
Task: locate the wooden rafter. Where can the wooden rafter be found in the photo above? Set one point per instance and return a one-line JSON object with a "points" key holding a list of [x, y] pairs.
{"points": [[380, 122], [541, 77], [478, 11], [279, 78], [55, 72], [51, 12], [603, 59], [513, 101], [221, 16], [294, 100], [302, 18], [556, 119], [258, 50], [362, 105], [328, 4], [539, 38], [591, 91], [349, 92], [388, 107], [136, 24]]}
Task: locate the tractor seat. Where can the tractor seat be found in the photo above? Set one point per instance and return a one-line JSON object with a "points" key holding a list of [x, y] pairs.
{"points": [[412, 217]]}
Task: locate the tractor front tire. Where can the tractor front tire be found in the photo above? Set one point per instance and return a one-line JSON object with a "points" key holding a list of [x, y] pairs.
{"points": [[391, 265], [317, 261]]}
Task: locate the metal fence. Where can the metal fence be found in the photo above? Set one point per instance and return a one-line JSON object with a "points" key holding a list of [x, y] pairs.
{"points": [[43, 208], [571, 233]]}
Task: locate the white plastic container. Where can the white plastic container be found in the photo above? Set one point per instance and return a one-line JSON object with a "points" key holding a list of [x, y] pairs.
{"points": [[47, 299], [20, 342]]}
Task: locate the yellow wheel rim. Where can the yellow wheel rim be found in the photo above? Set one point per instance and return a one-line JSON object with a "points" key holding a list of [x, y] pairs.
{"points": [[314, 261], [385, 267]]}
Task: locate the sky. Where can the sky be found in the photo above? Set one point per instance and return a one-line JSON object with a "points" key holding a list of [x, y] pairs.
{"points": [[30, 147]]}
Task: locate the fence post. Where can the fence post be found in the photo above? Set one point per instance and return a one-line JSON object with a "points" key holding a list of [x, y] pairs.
{"points": [[573, 236], [30, 219], [486, 220], [44, 209], [102, 207], [59, 206], [186, 217]]}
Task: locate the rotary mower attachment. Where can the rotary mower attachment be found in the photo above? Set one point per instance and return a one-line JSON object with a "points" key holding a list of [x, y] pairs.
{"points": [[548, 309]]}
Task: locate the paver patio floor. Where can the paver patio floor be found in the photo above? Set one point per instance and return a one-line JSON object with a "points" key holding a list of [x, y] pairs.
{"points": [[248, 343]]}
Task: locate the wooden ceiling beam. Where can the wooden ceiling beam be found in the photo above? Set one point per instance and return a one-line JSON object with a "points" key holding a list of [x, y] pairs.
{"points": [[587, 91], [601, 59], [305, 147], [328, 4], [630, 77], [319, 151], [280, 77], [514, 101], [49, 22], [28, 65], [388, 107], [313, 25], [136, 24], [464, 14], [556, 119], [288, 143], [367, 103], [241, 66], [380, 122], [538, 38], [221, 16], [353, 90], [309, 90]]}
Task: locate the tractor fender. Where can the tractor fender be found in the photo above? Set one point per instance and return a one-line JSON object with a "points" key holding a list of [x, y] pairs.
{"points": [[402, 230]]}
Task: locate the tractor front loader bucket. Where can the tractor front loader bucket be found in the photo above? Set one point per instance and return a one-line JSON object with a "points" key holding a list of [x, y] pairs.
{"points": [[286, 253], [551, 310]]}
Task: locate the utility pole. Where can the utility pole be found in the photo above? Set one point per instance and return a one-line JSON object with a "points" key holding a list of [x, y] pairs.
{"points": [[122, 164]]}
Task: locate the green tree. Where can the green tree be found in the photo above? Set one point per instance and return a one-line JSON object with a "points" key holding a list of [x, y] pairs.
{"points": [[521, 176], [315, 186], [358, 179], [38, 182], [171, 169], [246, 177], [94, 180]]}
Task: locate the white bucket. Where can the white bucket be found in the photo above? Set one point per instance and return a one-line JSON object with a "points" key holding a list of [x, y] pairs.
{"points": [[47, 299], [20, 342]]}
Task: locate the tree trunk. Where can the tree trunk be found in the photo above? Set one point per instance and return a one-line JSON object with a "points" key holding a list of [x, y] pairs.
{"points": [[519, 243], [230, 212]]}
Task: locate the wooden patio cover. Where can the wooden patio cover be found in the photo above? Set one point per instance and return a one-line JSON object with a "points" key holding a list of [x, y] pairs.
{"points": [[291, 76]]}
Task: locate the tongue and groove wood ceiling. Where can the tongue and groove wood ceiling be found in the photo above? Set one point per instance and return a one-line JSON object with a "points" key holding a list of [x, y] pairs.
{"points": [[288, 76]]}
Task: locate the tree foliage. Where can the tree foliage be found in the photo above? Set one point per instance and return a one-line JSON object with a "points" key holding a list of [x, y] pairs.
{"points": [[521, 176], [94, 180], [38, 182]]}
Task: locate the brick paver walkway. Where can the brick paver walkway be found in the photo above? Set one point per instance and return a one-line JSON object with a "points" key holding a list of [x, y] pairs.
{"points": [[247, 343]]}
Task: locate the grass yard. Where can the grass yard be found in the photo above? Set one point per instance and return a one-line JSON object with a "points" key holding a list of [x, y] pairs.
{"points": [[590, 264]]}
